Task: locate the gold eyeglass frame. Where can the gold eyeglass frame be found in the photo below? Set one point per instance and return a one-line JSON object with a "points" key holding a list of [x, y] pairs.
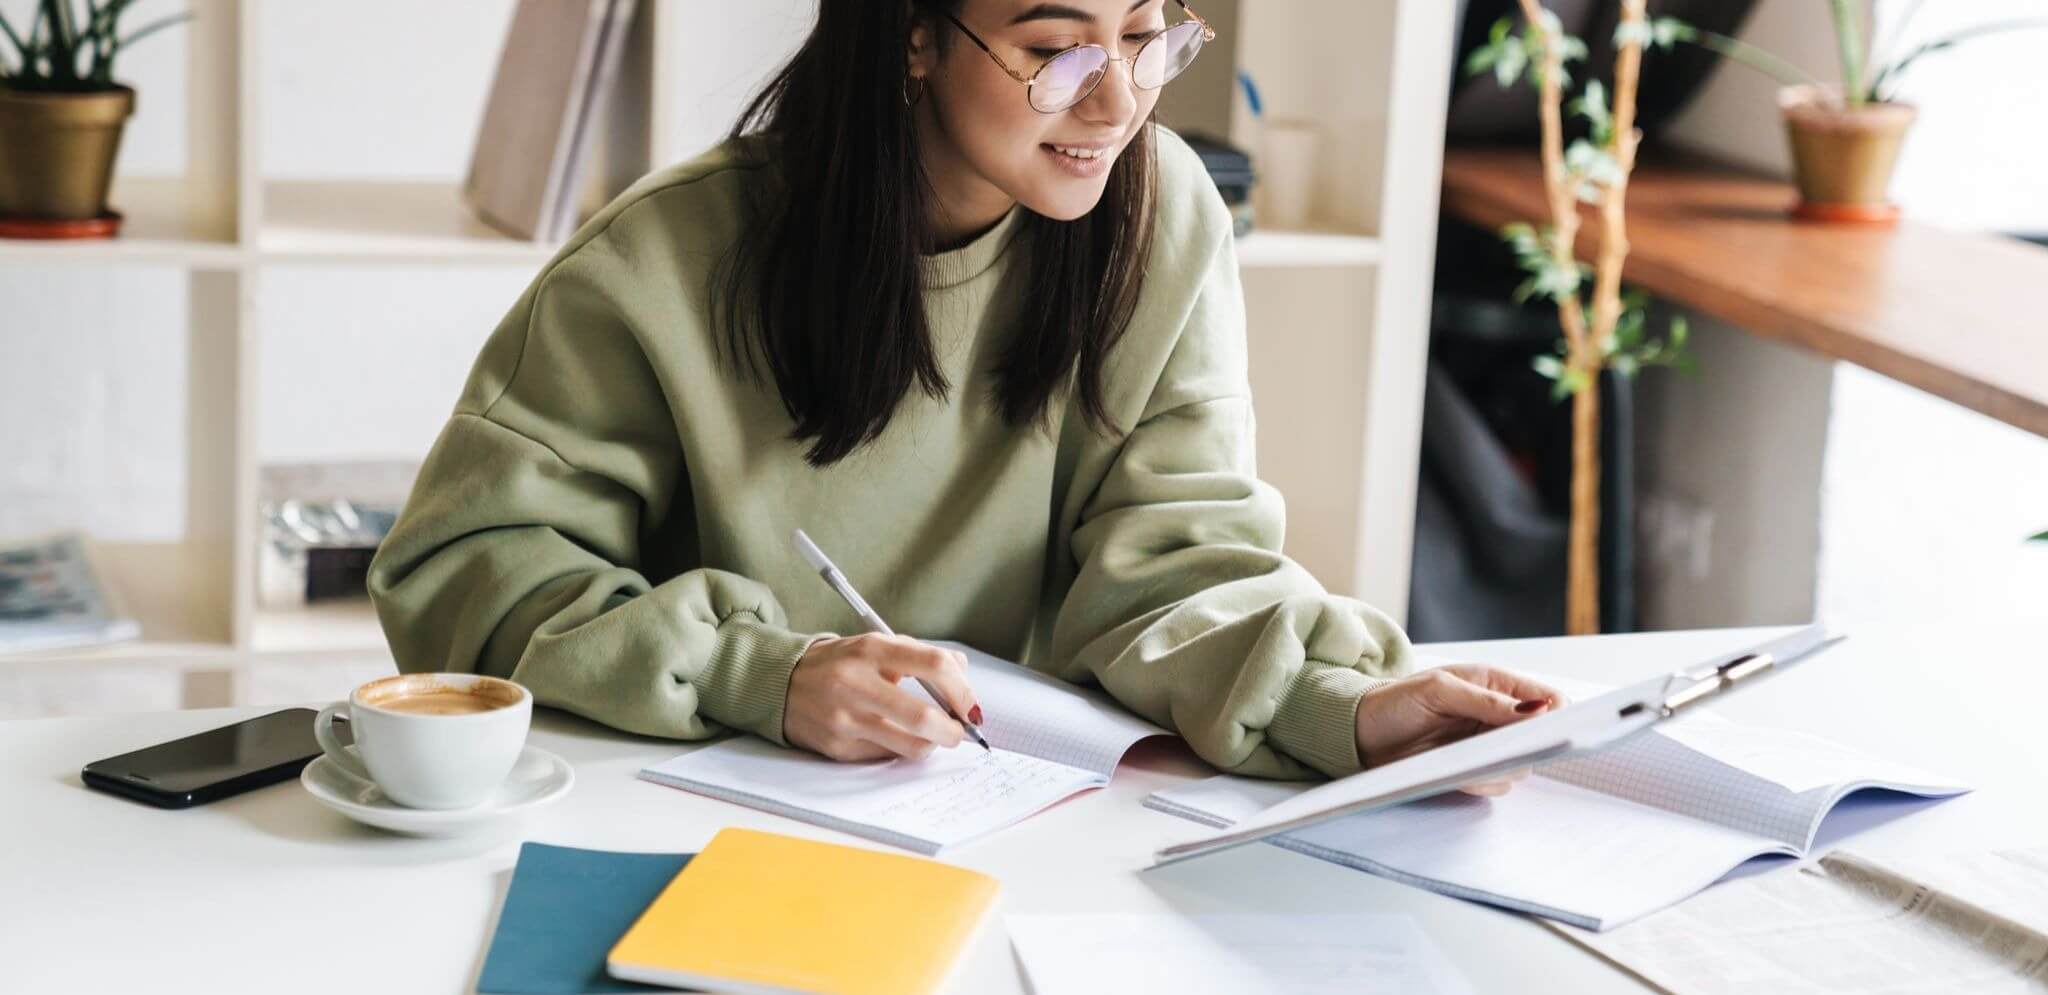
{"points": [[1208, 35]]}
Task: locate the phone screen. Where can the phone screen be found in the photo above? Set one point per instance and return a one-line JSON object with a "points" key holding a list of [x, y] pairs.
{"points": [[218, 755]]}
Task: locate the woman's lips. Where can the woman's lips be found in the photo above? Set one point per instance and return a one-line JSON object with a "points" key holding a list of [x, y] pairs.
{"points": [[1093, 161]]}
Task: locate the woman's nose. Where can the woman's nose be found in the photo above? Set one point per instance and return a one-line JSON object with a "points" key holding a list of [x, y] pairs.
{"points": [[1114, 99]]}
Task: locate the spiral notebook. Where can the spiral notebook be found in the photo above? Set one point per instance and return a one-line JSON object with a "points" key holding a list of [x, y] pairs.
{"points": [[1050, 740]]}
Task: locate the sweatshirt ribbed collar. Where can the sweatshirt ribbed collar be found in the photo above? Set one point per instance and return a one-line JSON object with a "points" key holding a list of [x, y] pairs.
{"points": [[957, 266]]}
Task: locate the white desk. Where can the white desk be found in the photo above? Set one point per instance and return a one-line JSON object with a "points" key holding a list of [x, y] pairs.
{"points": [[271, 892]]}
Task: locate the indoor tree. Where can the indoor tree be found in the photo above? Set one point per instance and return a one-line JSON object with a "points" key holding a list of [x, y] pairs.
{"points": [[1604, 328]]}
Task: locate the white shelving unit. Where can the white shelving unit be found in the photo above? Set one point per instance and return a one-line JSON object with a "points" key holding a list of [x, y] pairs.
{"points": [[1338, 314]]}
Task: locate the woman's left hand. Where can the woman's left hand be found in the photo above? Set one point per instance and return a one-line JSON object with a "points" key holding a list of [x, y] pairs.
{"points": [[1443, 705]]}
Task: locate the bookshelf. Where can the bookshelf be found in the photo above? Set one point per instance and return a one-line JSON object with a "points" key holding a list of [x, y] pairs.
{"points": [[1338, 311]]}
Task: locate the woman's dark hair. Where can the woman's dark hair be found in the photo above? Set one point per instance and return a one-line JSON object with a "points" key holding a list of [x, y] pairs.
{"points": [[825, 286]]}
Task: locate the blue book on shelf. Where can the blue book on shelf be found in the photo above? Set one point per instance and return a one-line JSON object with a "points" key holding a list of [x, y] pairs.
{"points": [[565, 909]]}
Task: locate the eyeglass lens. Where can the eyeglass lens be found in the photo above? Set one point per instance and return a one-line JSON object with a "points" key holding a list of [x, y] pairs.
{"points": [[1072, 75]]}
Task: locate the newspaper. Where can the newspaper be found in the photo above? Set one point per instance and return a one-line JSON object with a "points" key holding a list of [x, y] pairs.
{"points": [[1975, 922], [50, 597]]}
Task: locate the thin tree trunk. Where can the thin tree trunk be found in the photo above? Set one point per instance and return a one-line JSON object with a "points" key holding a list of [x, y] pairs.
{"points": [[1582, 583]]}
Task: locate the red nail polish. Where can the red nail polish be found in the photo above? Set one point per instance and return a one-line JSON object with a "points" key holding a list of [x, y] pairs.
{"points": [[1529, 707], [974, 715]]}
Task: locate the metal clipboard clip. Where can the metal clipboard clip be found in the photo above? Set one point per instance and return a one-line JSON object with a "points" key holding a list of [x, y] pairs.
{"points": [[1692, 686], [1686, 688]]}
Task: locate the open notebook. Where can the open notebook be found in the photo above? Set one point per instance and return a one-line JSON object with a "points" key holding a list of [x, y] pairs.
{"points": [[1593, 841], [1049, 740]]}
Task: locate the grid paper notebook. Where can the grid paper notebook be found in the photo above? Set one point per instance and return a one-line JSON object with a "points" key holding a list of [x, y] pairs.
{"points": [[1593, 841], [1049, 740]]}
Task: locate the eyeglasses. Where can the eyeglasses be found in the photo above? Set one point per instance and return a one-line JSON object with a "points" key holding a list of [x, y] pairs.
{"points": [[1068, 78]]}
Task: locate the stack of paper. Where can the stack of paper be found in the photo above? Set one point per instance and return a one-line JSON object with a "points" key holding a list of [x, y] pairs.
{"points": [[50, 596]]}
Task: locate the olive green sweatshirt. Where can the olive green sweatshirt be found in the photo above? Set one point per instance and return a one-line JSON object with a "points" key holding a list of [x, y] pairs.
{"points": [[606, 516]]}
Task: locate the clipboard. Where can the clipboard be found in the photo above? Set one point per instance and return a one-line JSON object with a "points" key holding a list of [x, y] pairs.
{"points": [[1581, 728]]}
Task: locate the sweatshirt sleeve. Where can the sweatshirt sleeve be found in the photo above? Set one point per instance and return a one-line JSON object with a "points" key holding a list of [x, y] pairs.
{"points": [[540, 540], [1183, 607]]}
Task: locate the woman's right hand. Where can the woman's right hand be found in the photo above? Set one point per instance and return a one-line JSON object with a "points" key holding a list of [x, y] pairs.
{"points": [[845, 702]]}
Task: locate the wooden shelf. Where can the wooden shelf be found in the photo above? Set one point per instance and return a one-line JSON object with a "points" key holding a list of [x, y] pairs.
{"points": [[342, 626], [356, 221], [158, 227], [1953, 313], [1264, 248]]}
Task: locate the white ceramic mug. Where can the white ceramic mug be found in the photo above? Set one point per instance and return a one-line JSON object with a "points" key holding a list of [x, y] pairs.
{"points": [[430, 761]]}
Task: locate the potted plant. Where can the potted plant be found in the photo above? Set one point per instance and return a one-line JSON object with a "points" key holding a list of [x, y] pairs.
{"points": [[1844, 137], [61, 117]]}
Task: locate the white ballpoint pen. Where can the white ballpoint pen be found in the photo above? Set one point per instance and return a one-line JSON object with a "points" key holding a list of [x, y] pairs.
{"points": [[837, 582]]}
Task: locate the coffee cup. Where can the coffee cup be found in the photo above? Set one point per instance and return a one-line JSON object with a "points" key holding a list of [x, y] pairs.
{"points": [[430, 741]]}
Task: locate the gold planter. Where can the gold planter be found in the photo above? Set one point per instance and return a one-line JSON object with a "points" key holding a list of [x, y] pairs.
{"points": [[57, 151], [1843, 156]]}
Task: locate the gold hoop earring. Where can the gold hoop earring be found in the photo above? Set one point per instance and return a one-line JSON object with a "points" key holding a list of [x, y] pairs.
{"points": [[908, 99]]}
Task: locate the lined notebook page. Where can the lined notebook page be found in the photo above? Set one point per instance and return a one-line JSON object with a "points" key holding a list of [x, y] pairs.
{"points": [[1041, 715], [947, 798], [1050, 740]]}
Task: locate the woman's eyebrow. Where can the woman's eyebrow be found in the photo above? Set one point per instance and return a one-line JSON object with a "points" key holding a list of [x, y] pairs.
{"points": [[1061, 12]]}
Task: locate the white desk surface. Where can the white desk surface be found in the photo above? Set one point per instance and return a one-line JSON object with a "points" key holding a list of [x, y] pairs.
{"points": [[271, 892]]}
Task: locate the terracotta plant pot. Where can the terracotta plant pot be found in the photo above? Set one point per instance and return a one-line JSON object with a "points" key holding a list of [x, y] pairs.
{"points": [[57, 152], [1842, 156]]}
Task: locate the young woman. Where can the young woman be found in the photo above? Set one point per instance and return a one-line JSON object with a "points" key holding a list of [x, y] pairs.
{"points": [[951, 303]]}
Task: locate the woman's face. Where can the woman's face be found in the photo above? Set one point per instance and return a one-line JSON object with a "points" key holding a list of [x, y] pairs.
{"points": [[986, 147]]}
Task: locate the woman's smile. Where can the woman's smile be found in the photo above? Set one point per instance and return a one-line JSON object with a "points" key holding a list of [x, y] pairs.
{"points": [[1080, 160]]}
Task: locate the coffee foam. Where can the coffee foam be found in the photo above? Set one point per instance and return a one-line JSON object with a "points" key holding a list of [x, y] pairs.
{"points": [[387, 689]]}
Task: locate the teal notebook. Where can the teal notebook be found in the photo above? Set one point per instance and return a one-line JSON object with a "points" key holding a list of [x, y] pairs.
{"points": [[564, 911]]}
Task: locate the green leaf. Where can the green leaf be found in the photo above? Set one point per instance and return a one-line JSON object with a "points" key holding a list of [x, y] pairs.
{"points": [[12, 38], [2043, 537], [1666, 32], [1550, 367], [1514, 60], [1591, 104], [1487, 54], [1657, 32], [1593, 166], [1628, 331], [1573, 381]]}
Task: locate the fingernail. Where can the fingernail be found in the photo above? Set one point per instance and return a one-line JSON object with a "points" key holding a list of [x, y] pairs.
{"points": [[974, 715], [1529, 707]]}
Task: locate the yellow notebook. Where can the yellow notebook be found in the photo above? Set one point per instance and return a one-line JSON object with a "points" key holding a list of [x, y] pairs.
{"points": [[762, 912]]}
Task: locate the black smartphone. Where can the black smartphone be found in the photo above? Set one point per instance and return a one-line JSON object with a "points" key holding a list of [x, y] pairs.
{"points": [[213, 764]]}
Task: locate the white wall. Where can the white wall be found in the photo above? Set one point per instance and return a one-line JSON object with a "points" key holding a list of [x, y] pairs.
{"points": [[1978, 156]]}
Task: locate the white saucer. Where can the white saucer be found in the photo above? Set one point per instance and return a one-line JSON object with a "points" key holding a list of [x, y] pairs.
{"points": [[538, 779]]}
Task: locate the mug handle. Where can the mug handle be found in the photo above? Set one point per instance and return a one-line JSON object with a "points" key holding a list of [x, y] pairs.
{"points": [[323, 732]]}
